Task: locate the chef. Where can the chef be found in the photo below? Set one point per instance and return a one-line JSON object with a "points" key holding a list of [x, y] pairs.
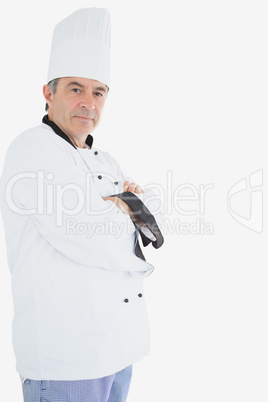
{"points": [[80, 319]]}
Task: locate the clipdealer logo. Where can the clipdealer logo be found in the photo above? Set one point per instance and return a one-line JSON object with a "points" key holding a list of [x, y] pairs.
{"points": [[245, 201], [185, 207]]}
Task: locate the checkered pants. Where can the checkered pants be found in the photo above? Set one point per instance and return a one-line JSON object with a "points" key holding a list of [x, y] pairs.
{"points": [[113, 388]]}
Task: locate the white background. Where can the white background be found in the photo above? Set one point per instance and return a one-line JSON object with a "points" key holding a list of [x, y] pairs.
{"points": [[188, 105]]}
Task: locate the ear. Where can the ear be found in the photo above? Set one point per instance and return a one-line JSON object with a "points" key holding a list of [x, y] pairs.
{"points": [[47, 95]]}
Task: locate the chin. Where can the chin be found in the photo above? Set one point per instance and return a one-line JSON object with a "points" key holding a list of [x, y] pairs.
{"points": [[84, 128]]}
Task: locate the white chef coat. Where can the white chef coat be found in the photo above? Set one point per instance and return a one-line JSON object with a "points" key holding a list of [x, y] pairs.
{"points": [[79, 308]]}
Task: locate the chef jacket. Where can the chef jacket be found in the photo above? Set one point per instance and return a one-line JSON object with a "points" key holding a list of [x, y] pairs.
{"points": [[77, 284]]}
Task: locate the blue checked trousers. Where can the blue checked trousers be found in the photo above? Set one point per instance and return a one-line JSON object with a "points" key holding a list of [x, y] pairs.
{"points": [[113, 388]]}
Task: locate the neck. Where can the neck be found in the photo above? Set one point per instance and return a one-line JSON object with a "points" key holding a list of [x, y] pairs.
{"points": [[78, 140]]}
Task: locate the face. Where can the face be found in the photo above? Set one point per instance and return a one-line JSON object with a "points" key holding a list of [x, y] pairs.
{"points": [[77, 105]]}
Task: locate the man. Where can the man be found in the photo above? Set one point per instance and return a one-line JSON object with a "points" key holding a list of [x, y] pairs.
{"points": [[71, 220]]}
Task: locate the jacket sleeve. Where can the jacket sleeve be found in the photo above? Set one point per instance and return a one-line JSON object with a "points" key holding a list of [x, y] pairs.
{"points": [[40, 184]]}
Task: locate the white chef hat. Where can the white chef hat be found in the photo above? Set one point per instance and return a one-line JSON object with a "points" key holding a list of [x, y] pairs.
{"points": [[81, 46]]}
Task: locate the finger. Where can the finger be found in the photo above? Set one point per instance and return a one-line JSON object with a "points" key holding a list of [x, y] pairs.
{"points": [[135, 188], [125, 185], [132, 187], [138, 190]]}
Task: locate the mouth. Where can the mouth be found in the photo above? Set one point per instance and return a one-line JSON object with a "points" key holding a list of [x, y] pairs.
{"points": [[84, 118]]}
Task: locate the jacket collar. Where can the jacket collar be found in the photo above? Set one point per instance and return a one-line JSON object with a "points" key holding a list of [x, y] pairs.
{"points": [[57, 130]]}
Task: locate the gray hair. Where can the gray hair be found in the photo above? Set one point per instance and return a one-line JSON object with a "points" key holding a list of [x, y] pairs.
{"points": [[53, 87]]}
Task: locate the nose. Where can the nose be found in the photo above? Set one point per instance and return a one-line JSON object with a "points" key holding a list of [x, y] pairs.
{"points": [[88, 102]]}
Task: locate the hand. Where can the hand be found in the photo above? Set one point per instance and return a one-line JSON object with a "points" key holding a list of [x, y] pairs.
{"points": [[120, 204], [132, 187]]}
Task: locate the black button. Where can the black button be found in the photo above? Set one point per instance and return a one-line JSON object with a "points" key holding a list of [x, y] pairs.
{"points": [[140, 294], [96, 153], [116, 183], [100, 177], [126, 300]]}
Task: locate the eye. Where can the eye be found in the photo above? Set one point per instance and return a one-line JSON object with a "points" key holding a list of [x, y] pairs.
{"points": [[76, 90], [99, 94]]}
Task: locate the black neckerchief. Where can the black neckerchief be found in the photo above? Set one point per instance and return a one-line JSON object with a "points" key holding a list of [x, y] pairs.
{"points": [[57, 130]]}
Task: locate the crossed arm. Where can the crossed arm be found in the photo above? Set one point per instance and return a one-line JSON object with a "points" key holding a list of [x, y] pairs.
{"points": [[134, 188]]}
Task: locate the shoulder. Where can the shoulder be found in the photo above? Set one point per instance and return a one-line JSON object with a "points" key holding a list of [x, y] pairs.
{"points": [[31, 134], [37, 140], [37, 147]]}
